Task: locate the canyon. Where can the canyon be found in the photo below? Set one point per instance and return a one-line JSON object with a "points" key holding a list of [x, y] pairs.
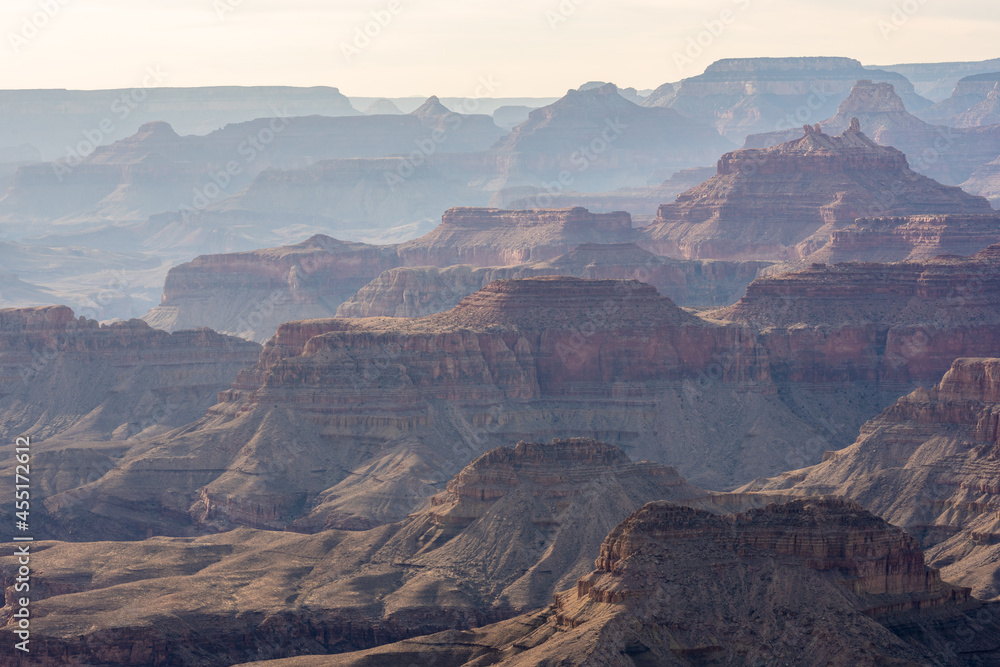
{"points": [[513, 527], [384, 408], [674, 585], [927, 464]]}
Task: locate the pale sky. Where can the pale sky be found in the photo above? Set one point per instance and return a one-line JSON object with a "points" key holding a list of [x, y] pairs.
{"points": [[527, 47]]}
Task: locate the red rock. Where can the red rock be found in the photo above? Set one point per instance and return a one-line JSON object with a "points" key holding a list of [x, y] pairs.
{"points": [[782, 202], [929, 464]]}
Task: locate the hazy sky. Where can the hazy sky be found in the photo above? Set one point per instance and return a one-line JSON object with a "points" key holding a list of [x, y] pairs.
{"points": [[527, 47]]}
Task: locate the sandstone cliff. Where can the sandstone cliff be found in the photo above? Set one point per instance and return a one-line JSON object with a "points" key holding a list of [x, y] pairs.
{"points": [[386, 409], [85, 392], [251, 293], [515, 526], [495, 237], [985, 182], [928, 464], [783, 202], [909, 238], [945, 153], [810, 582], [420, 291], [974, 102]]}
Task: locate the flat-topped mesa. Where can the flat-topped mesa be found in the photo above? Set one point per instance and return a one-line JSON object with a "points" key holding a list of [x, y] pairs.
{"points": [[496, 237], [35, 319], [783, 202], [421, 291], [868, 97], [558, 471], [835, 537], [565, 303], [250, 293]]}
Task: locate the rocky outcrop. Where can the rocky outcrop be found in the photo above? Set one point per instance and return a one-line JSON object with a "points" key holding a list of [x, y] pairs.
{"points": [[974, 102], [910, 238], [420, 291], [985, 182], [515, 526], [810, 582], [495, 237], [384, 408], [928, 464], [596, 140], [936, 81], [944, 153], [783, 202], [249, 294], [750, 95], [86, 392]]}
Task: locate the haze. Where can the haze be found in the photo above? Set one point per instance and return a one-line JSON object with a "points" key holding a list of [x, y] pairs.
{"points": [[529, 48]]}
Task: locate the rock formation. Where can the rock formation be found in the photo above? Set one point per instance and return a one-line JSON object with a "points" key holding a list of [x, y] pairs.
{"points": [[947, 154], [810, 582], [251, 293], [420, 291], [974, 102], [382, 107], [641, 203], [909, 238], [493, 237], [387, 408], [514, 527], [749, 95], [596, 140], [985, 182], [928, 464], [936, 81], [783, 202], [86, 392]]}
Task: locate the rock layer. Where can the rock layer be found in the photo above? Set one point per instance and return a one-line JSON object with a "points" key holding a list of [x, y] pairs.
{"points": [[928, 464], [514, 527], [783, 202], [810, 582]]}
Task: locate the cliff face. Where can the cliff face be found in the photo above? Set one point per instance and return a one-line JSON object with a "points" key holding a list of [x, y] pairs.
{"points": [[251, 293], [416, 292], [749, 95], [494, 237], [942, 152], [783, 202], [928, 464], [899, 323], [515, 526], [86, 392], [910, 238], [973, 103], [985, 182], [673, 585], [596, 140], [385, 408]]}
